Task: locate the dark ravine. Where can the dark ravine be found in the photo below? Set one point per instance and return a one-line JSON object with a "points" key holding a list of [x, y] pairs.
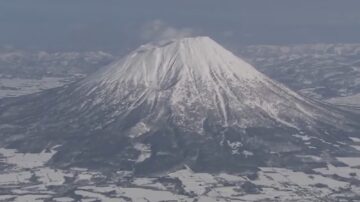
{"points": [[187, 101]]}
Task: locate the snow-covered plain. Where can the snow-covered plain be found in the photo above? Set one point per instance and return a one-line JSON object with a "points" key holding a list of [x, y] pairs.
{"points": [[32, 180]]}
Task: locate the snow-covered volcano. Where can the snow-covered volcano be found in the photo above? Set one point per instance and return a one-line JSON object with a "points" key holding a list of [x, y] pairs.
{"points": [[186, 101], [193, 79]]}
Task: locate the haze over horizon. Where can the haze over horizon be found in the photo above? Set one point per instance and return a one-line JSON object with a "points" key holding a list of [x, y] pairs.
{"points": [[122, 25]]}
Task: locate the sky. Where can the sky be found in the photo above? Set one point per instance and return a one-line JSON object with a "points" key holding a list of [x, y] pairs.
{"points": [[121, 25]]}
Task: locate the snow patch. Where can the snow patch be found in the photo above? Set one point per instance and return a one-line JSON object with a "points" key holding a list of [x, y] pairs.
{"points": [[145, 152]]}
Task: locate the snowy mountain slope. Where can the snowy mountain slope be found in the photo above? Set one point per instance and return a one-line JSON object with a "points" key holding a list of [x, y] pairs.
{"points": [[352, 100], [197, 71], [187, 101]]}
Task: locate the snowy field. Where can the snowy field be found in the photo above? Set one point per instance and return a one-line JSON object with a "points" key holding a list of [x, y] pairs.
{"points": [[26, 177]]}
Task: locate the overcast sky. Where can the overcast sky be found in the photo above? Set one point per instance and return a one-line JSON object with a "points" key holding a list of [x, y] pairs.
{"points": [[120, 25]]}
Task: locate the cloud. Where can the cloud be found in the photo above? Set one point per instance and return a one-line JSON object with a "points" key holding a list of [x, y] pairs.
{"points": [[158, 30]]}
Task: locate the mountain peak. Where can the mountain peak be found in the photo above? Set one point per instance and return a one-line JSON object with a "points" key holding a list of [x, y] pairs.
{"points": [[161, 63], [186, 41], [203, 39]]}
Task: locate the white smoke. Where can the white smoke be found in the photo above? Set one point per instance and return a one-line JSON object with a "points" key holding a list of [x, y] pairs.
{"points": [[158, 30]]}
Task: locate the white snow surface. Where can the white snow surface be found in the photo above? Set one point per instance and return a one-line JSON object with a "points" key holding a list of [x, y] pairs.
{"points": [[25, 160], [197, 58], [273, 184]]}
